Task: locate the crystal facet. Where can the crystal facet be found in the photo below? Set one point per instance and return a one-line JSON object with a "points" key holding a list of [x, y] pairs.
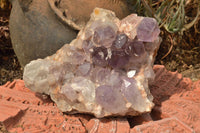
{"points": [[105, 71]]}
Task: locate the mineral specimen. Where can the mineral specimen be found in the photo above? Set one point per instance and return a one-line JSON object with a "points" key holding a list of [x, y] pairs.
{"points": [[105, 71]]}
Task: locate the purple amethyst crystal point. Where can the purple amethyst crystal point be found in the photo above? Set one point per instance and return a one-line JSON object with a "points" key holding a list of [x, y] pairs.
{"points": [[120, 41], [148, 30], [69, 92], [104, 36], [110, 99], [105, 71], [132, 94], [84, 68], [118, 59], [99, 55]]}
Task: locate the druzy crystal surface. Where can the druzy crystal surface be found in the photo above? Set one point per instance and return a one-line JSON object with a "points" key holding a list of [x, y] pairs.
{"points": [[105, 71]]}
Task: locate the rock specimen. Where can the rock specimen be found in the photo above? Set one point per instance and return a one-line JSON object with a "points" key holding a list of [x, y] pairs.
{"points": [[105, 71]]}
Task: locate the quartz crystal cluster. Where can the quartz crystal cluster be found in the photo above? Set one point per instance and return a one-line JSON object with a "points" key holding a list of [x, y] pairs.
{"points": [[105, 71]]}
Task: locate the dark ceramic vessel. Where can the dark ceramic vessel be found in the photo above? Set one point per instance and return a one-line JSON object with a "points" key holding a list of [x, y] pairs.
{"points": [[35, 30]]}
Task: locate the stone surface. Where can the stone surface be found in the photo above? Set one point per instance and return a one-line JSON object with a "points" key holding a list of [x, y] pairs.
{"points": [[24, 111], [105, 71]]}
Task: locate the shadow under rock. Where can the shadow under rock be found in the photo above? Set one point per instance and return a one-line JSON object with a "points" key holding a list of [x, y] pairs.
{"points": [[45, 99], [139, 120], [167, 83]]}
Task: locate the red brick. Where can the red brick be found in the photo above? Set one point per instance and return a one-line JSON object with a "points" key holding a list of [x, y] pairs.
{"points": [[167, 83], [177, 105], [108, 125], [185, 106], [167, 125], [23, 111], [196, 85], [141, 119], [9, 110]]}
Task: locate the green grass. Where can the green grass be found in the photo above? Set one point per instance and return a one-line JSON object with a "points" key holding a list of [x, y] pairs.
{"points": [[170, 14]]}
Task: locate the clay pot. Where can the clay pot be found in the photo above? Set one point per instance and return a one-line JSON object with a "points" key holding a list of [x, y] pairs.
{"points": [[38, 28], [35, 30], [76, 13]]}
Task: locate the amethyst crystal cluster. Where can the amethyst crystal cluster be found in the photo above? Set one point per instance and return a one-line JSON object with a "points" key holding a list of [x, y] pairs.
{"points": [[105, 71]]}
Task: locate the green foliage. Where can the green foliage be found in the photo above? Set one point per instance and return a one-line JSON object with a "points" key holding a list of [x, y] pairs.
{"points": [[170, 14]]}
